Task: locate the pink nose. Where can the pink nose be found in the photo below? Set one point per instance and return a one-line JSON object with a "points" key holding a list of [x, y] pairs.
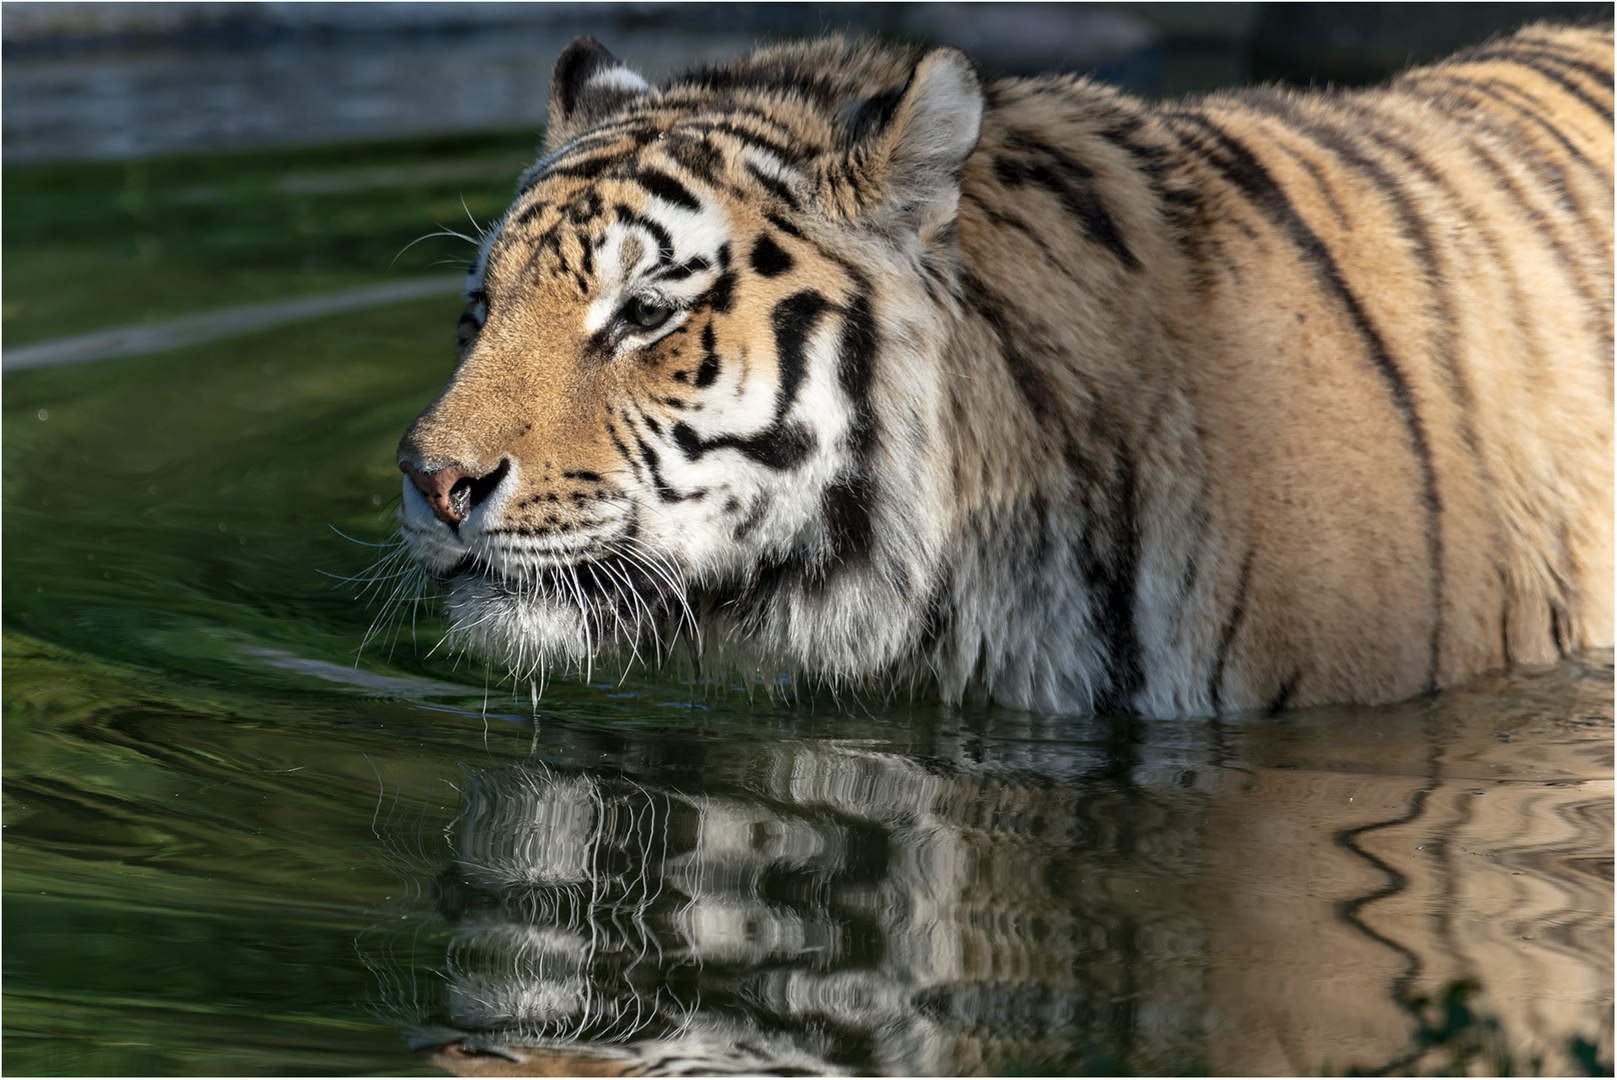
{"points": [[449, 491]]}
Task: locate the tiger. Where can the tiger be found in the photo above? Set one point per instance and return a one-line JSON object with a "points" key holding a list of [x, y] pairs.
{"points": [[843, 364]]}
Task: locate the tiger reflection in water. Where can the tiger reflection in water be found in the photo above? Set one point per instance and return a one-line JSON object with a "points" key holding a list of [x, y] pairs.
{"points": [[860, 920], [1150, 897]]}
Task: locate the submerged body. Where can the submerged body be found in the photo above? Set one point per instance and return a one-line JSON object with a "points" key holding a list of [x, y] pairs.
{"points": [[840, 360]]}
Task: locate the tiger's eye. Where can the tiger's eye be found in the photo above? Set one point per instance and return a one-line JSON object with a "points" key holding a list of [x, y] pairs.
{"points": [[648, 314]]}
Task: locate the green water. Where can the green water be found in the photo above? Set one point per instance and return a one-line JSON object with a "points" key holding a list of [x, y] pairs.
{"points": [[89, 246], [236, 843]]}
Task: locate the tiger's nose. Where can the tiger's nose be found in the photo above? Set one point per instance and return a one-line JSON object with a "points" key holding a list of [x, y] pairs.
{"points": [[453, 491]]}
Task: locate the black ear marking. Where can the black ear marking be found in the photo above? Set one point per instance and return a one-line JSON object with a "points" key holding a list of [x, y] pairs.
{"points": [[582, 59], [587, 82], [868, 117]]}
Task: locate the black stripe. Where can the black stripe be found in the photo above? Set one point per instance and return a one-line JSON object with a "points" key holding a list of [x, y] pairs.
{"points": [[1108, 551], [1531, 111], [694, 265], [528, 213], [668, 189], [1249, 177], [783, 225], [1558, 632], [775, 187], [782, 445], [1232, 625], [1526, 57], [622, 449], [1036, 391], [1321, 183], [858, 351], [1197, 223], [768, 258], [720, 295], [653, 465], [709, 369], [845, 507], [611, 137], [848, 511], [792, 322], [696, 156], [1071, 182], [664, 239], [1586, 291], [588, 169], [1029, 234], [1412, 226], [755, 138], [871, 116], [1287, 691]]}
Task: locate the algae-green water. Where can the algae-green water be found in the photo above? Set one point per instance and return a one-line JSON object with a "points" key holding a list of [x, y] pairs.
{"points": [[237, 841]]}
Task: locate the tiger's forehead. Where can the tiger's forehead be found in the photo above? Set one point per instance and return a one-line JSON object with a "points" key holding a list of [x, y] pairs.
{"points": [[670, 199], [609, 226]]}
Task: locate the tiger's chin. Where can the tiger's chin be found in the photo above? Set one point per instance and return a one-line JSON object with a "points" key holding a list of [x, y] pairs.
{"points": [[558, 620], [526, 633]]}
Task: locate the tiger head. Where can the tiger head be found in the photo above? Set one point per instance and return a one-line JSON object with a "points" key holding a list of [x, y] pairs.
{"points": [[699, 379]]}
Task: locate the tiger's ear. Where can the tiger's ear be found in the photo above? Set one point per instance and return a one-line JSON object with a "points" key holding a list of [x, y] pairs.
{"points": [[586, 84], [908, 146]]}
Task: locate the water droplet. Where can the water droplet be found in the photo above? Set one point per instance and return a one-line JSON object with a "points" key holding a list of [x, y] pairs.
{"points": [[44, 414]]}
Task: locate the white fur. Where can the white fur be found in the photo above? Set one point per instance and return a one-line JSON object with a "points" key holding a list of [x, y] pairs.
{"points": [[618, 78]]}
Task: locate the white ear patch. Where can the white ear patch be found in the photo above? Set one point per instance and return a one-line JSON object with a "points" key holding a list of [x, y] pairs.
{"points": [[618, 78]]}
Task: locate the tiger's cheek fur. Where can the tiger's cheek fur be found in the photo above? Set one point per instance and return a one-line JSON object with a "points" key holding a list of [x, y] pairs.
{"points": [[733, 424]]}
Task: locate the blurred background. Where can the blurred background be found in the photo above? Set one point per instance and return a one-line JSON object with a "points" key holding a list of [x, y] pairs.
{"points": [[115, 80]]}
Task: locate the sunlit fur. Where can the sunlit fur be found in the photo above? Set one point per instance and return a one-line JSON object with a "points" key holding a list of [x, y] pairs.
{"points": [[1030, 390]]}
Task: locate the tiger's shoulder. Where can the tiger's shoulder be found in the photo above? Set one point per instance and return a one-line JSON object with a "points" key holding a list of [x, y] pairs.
{"points": [[1357, 345]]}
